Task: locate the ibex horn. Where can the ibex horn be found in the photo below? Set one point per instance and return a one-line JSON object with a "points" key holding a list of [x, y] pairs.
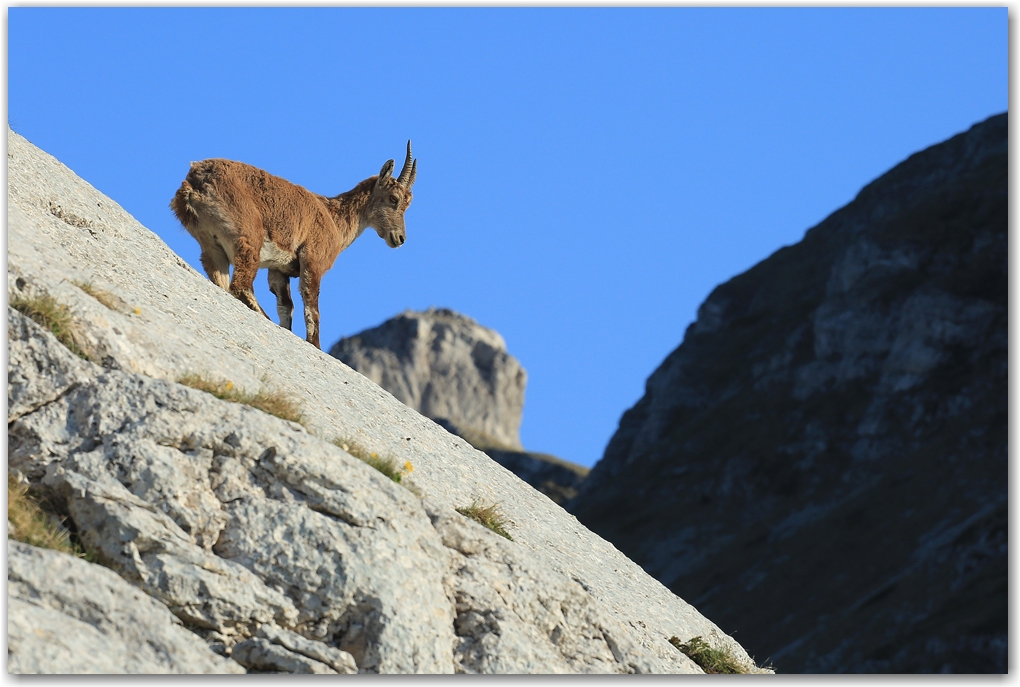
{"points": [[409, 170]]}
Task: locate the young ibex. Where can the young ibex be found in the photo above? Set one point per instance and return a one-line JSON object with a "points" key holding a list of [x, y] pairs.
{"points": [[244, 216]]}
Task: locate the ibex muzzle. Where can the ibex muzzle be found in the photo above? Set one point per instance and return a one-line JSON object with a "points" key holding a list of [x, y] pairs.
{"points": [[246, 217]]}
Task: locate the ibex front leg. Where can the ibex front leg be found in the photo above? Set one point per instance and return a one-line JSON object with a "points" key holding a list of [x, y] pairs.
{"points": [[246, 266], [279, 284], [311, 275]]}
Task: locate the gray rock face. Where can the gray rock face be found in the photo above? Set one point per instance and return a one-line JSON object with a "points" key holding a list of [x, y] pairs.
{"points": [[821, 465], [68, 616], [447, 367], [282, 651], [260, 535], [235, 519]]}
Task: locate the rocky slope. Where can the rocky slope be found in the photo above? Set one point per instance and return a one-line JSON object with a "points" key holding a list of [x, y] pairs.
{"points": [[274, 547], [821, 465], [455, 371]]}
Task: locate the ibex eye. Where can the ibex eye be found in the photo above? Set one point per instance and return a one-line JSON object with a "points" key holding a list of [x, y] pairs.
{"points": [[393, 199]]}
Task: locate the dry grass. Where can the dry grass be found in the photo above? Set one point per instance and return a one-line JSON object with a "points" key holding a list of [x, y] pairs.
{"points": [[32, 525], [712, 661], [269, 401], [353, 447], [387, 465], [111, 301], [46, 312], [488, 516]]}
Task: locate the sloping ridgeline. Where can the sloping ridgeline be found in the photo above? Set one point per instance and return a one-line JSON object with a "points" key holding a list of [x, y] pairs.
{"points": [[820, 466], [225, 539]]}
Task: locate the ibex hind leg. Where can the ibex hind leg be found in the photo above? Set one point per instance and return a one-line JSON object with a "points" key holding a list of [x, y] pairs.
{"points": [[217, 265], [309, 286], [279, 284]]}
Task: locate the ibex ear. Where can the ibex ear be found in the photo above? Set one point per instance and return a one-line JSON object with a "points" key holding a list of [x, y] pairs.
{"points": [[387, 170]]}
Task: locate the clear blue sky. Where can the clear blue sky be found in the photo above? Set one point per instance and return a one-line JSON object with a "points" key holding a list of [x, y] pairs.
{"points": [[586, 176]]}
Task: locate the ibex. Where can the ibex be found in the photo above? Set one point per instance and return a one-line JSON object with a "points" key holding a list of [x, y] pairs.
{"points": [[244, 216]]}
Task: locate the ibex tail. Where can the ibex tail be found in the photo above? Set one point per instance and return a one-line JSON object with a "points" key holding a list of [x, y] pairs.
{"points": [[181, 205]]}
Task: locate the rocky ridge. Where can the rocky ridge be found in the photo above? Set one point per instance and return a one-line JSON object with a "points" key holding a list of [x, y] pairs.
{"points": [[821, 464], [274, 547]]}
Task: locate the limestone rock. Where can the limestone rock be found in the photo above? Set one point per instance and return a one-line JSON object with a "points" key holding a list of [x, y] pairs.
{"points": [[65, 615], [821, 465], [216, 508], [338, 661], [249, 527], [447, 367], [39, 378], [260, 655], [515, 617]]}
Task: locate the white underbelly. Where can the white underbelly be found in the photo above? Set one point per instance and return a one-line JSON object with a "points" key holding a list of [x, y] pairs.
{"points": [[274, 257]]}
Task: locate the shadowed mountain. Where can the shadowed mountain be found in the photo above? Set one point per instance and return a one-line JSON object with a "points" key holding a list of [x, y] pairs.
{"points": [[821, 465]]}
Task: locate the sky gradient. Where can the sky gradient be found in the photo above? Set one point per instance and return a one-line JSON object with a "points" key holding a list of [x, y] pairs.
{"points": [[586, 176]]}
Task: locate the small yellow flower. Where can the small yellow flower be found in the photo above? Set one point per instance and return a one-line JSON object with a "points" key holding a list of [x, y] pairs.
{"points": [[408, 467], [345, 447], [138, 311], [374, 455], [230, 385]]}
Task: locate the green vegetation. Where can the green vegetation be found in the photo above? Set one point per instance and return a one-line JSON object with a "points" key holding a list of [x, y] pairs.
{"points": [[487, 516], [712, 661], [108, 299], [269, 401], [387, 465], [33, 525], [46, 312]]}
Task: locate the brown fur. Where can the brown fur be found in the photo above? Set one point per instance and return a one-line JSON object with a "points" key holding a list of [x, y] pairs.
{"points": [[244, 216]]}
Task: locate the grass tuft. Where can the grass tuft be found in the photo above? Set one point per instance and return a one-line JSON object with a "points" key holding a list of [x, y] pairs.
{"points": [[46, 312], [108, 299], [487, 516], [273, 402], [712, 661], [387, 465], [32, 525]]}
